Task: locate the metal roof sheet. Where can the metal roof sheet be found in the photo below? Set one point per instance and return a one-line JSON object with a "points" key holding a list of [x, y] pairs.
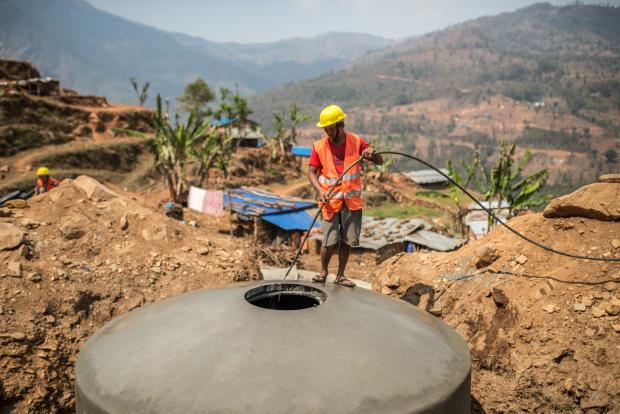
{"points": [[301, 151], [249, 201], [427, 176], [434, 241]]}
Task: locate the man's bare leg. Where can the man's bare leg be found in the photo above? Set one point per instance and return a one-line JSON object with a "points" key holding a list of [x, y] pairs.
{"points": [[326, 256], [343, 258]]}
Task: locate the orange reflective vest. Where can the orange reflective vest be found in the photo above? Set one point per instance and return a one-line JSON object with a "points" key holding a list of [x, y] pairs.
{"points": [[51, 183], [349, 190]]}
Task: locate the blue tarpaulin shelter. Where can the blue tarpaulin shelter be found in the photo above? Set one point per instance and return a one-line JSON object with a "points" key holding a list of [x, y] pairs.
{"points": [[285, 212], [301, 151]]}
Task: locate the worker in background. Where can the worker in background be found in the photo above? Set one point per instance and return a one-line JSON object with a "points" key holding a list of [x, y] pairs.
{"points": [[342, 212], [44, 182]]}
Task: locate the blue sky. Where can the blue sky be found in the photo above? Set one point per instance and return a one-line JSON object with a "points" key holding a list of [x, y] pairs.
{"points": [[270, 20]]}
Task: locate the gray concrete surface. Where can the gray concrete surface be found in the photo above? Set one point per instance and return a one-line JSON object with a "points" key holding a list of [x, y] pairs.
{"points": [[211, 351]]}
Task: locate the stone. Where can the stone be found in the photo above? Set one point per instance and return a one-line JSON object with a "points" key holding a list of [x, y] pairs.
{"points": [[124, 223], [612, 308], [499, 297], [549, 308], [93, 189], [203, 251], [615, 243], [521, 259], [18, 336], [609, 178], [24, 251], [598, 312], [71, 231], [186, 249], [4, 168], [30, 223], [587, 301], [579, 307], [10, 236], [616, 327], [14, 269], [597, 399], [596, 201], [36, 278], [485, 255], [156, 234]]}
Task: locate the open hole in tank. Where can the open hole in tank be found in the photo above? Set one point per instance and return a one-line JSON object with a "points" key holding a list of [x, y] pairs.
{"points": [[285, 296]]}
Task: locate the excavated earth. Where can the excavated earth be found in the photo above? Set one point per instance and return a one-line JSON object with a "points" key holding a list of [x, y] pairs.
{"points": [[543, 329], [79, 256]]}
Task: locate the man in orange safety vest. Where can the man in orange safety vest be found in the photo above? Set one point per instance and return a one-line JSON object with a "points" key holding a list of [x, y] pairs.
{"points": [[44, 182], [342, 212]]}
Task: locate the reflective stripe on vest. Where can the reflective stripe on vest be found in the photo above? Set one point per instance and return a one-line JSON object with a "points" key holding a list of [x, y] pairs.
{"points": [[332, 181]]}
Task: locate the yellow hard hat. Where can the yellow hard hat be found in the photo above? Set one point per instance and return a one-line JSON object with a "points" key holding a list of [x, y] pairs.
{"points": [[43, 171], [330, 115]]}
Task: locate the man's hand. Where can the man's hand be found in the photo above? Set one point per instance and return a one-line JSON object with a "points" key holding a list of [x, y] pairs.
{"points": [[323, 197], [368, 153]]}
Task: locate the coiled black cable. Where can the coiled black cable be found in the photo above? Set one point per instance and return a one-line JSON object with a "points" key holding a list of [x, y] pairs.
{"points": [[488, 211]]}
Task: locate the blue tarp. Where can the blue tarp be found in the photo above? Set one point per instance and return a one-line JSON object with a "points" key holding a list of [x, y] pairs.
{"points": [[255, 202], [296, 220], [222, 121], [301, 151]]}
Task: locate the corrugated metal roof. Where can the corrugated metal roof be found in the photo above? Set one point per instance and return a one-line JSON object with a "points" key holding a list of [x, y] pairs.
{"points": [[434, 241], [255, 202], [301, 151], [427, 176], [494, 204], [380, 232]]}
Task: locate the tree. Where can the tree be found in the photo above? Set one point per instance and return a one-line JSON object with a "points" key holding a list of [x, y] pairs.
{"points": [[285, 126], [140, 92], [196, 98], [505, 181], [611, 156]]}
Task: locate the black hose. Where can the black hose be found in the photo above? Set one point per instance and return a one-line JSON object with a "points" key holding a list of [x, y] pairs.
{"points": [[488, 211]]}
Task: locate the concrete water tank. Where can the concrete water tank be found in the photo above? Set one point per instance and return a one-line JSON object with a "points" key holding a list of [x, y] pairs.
{"points": [[277, 347]]}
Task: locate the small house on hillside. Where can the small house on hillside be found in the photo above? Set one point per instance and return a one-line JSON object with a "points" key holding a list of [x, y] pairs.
{"points": [[35, 86], [247, 134], [428, 178], [271, 218], [478, 219], [382, 238]]}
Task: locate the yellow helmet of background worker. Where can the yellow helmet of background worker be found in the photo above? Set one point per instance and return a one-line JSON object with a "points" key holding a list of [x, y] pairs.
{"points": [[330, 115], [43, 171]]}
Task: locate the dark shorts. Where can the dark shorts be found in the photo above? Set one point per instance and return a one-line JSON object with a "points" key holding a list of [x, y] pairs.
{"points": [[345, 226]]}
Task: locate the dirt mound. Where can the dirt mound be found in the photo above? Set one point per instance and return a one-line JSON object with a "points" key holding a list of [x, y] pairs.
{"points": [[79, 256], [598, 201], [543, 329]]}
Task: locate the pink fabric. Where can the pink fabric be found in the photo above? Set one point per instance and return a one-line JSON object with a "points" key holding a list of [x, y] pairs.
{"points": [[213, 203]]}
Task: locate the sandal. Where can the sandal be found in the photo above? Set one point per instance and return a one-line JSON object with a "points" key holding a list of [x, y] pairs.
{"points": [[341, 280], [319, 279]]}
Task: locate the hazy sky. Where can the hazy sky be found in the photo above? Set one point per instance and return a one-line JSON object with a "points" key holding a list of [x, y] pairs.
{"points": [[269, 20]]}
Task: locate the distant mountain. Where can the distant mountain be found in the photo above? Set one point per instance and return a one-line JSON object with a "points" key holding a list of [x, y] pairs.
{"points": [[96, 52], [543, 76]]}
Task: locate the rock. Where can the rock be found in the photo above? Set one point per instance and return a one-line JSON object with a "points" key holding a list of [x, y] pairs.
{"points": [[30, 223], [156, 234], [10, 236], [4, 168], [587, 301], [596, 400], [71, 231], [579, 307], [36, 278], [93, 189], [24, 251], [549, 308], [14, 269], [612, 308], [18, 336], [596, 201], [609, 178], [499, 297], [597, 312], [485, 255], [615, 243], [186, 249], [521, 259], [124, 223], [616, 327], [203, 251]]}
